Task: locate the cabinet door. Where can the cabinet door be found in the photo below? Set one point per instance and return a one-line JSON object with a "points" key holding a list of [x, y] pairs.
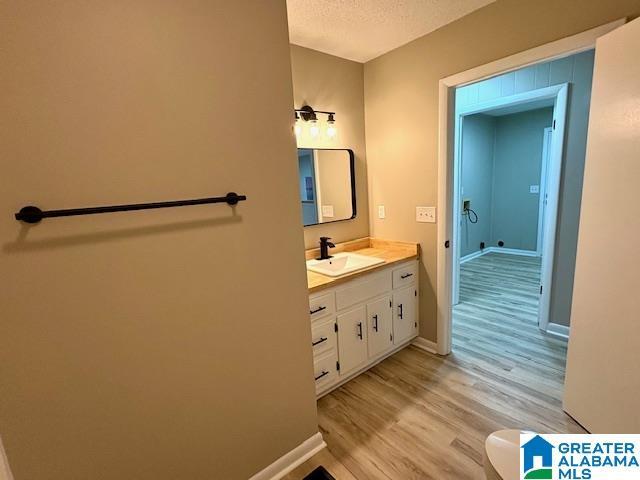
{"points": [[380, 321], [405, 322], [352, 339]]}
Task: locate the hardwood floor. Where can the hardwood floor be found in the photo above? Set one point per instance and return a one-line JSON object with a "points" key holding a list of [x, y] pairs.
{"points": [[422, 416]]}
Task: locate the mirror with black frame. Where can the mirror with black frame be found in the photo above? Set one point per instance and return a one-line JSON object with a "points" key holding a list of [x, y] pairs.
{"points": [[327, 185]]}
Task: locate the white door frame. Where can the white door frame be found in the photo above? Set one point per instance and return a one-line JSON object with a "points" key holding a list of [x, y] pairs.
{"points": [[546, 150], [560, 107], [560, 48], [552, 188]]}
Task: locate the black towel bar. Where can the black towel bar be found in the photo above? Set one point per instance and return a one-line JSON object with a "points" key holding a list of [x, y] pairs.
{"points": [[33, 214]]}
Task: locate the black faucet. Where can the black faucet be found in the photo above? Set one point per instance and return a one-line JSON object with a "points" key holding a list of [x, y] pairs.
{"points": [[325, 245]]}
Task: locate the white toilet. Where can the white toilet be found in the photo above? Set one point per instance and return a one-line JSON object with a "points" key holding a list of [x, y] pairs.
{"points": [[502, 455]]}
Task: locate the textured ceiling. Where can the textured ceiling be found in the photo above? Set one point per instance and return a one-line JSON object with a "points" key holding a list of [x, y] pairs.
{"points": [[361, 30]]}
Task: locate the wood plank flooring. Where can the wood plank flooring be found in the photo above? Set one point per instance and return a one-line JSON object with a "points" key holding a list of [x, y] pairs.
{"points": [[422, 416]]}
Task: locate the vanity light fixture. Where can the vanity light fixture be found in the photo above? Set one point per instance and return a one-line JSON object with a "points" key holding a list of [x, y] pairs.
{"points": [[308, 114]]}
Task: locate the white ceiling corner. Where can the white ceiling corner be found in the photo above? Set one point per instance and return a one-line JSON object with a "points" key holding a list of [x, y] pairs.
{"points": [[361, 30]]}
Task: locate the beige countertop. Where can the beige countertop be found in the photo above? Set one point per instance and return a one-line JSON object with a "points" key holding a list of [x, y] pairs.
{"points": [[391, 252]]}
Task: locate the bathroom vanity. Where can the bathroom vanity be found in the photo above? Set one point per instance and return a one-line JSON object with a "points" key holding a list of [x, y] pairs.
{"points": [[362, 317]]}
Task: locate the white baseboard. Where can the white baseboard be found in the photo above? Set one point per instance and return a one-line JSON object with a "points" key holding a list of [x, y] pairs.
{"points": [[513, 251], [426, 345], [292, 459], [508, 251], [558, 331], [473, 255]]}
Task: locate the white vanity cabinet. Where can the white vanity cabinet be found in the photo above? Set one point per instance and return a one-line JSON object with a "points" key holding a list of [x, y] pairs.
{"points": [[380, 326], [405, 321], [352, 339], [358, 323]]}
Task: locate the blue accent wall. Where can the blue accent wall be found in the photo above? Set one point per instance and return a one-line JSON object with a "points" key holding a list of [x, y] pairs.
{"points": [[517, 164], [478, 132], [501, 159]]}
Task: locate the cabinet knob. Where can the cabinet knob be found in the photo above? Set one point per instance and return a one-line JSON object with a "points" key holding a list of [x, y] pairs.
{"points": [[359, 330], [323, 374], [319, 309], [400, 311], [406, 275]]}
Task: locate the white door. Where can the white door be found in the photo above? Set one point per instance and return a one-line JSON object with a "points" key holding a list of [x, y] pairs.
{"points": [[405, 322], [352, 339], [380, 322], [602, 379], [544, 179]]}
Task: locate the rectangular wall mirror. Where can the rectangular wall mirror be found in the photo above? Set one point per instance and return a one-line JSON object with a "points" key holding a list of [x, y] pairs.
{"points": [[327, 185]]}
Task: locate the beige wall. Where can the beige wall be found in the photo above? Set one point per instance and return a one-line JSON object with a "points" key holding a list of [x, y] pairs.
{"points": [[401, 94], [143, 345], [334, 84]]}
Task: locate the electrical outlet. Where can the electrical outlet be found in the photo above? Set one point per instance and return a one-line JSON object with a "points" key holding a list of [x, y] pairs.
{"points": [[534, 188], [426, 214], [381, 211]]}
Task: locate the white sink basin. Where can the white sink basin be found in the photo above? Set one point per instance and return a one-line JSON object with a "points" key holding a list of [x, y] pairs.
{"points": [[342, 263]]}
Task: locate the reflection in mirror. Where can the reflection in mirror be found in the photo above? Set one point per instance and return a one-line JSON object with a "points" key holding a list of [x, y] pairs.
{"points": [[327, 185]]}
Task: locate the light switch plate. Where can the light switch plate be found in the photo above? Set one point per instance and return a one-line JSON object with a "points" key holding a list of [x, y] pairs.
{"points": [[381, 211], [426, 214], [327, 211], [534, 188]]}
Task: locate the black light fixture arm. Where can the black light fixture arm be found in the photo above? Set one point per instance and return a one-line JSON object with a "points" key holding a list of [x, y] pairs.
{"points": [[31, 214], [308, 113]]}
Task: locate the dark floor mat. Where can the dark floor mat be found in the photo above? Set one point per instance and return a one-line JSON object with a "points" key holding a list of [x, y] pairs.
{"points": [[319, 473]]}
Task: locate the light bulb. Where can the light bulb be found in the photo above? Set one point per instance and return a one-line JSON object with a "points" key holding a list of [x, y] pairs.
{"points": [[314, 129], [297, 129], [332, 131]]}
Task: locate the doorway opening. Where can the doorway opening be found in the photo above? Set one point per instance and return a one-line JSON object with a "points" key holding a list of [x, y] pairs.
{"points": [[546, 66], [506, 184], [513, 137]]}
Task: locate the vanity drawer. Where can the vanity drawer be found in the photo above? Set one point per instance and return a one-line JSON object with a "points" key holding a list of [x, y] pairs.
{"points": [[373, 285], [323, 336], [405, 275], [322, 305], [325, 371]]}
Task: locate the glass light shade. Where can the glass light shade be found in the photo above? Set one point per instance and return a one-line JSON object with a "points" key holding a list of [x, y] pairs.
{"points": [[314, 129], [332, 131], [297, 128]]}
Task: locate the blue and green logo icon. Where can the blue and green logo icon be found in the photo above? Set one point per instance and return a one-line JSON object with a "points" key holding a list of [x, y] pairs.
{"points": [[542, 468]]}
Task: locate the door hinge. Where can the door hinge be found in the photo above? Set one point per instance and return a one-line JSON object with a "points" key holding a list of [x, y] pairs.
{"points": [[338, 366], [335, 327], [390, 304], [415, 324], [554, 124], [540, 289], [415, 293]]}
